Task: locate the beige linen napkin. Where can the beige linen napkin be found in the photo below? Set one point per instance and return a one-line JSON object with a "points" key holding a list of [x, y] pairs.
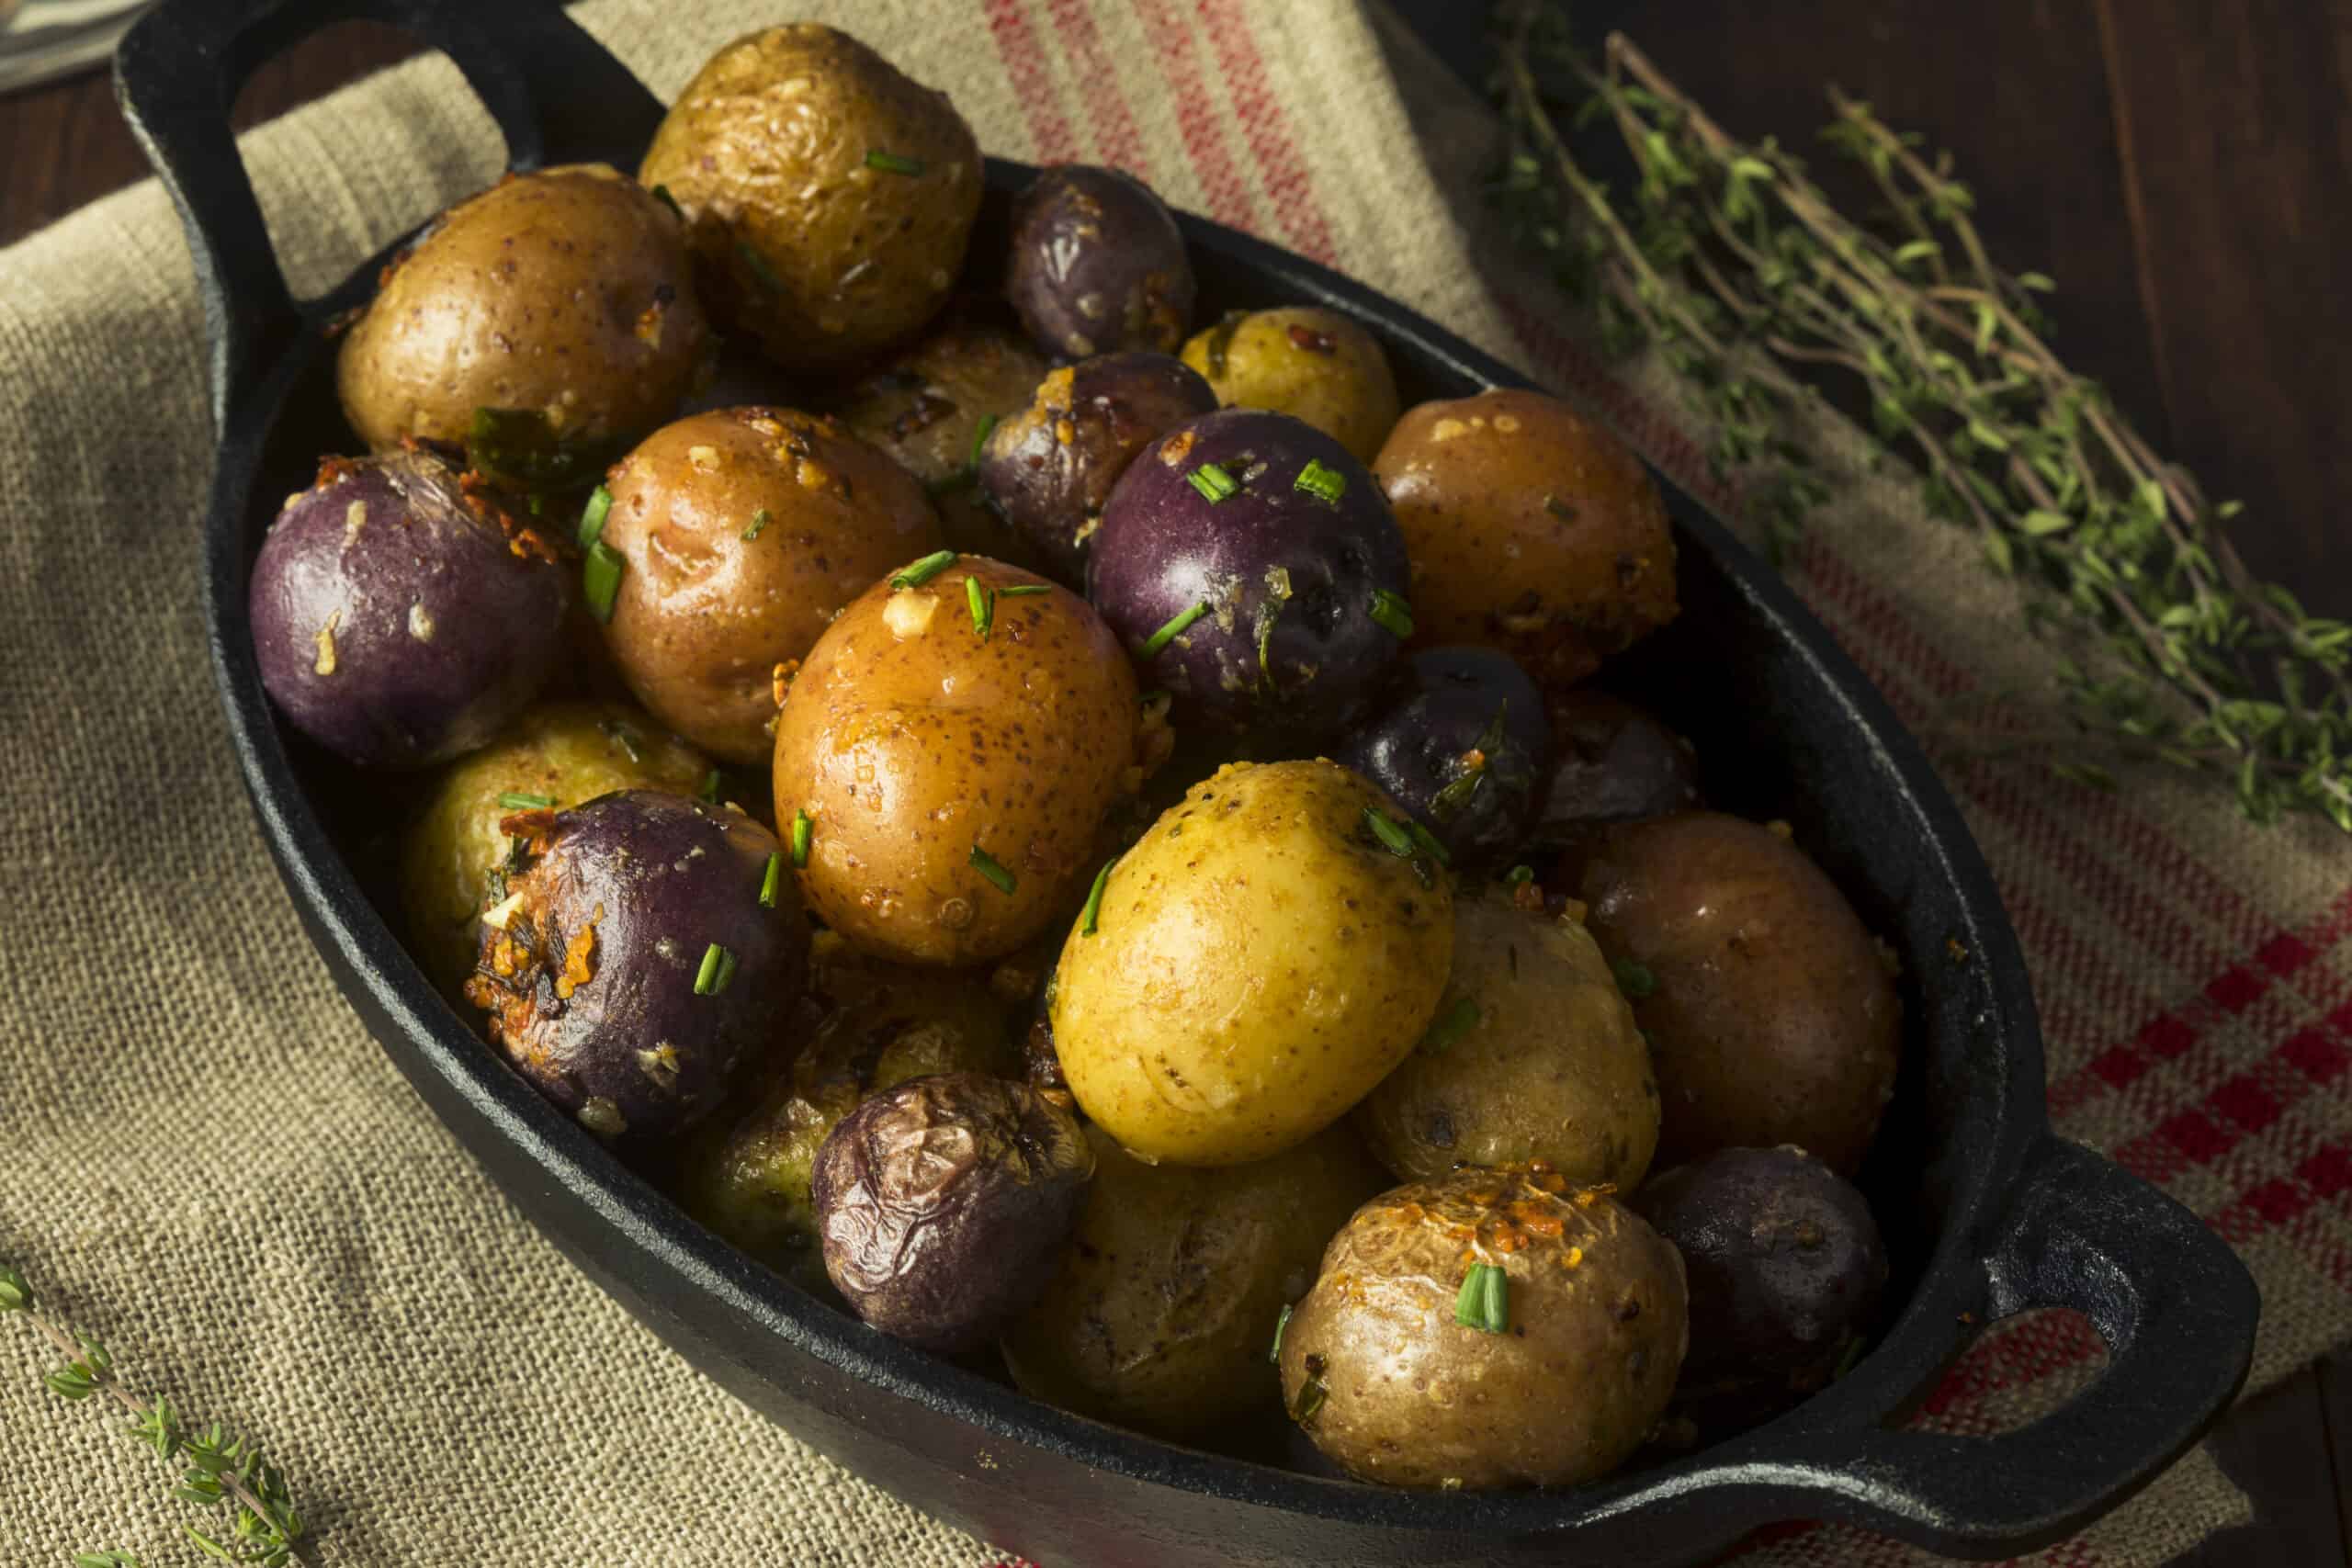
{"points": [[205, 1161]]}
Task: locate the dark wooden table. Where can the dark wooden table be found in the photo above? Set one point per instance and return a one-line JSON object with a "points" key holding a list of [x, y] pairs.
{"points": [[2180, 167]]}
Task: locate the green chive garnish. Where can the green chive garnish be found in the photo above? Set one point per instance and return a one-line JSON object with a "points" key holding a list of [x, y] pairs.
{"points": [[1451, 1026], [1427, 841], [600, 578], [1175, 626], [979, 439], [1093, 911], [1559, 509], [1391, 611], [1311, 1395], [661, 194], [718, 969], [923, 570], [893, 163], [1456, 794], [1214, 484], [1485, 1302], [515, 800], [1324, 484], [1157, 694], [1391, 834], [804, 829], [759, 523], [1281, 1323], [982, 605], [988, 865], [711, 785], [1022, 590], [1638, 981], [771, 879], [759, 265], [1519, 877]]}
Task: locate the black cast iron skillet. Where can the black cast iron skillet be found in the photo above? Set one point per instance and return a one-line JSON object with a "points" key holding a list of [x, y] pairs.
{"points": [[1987, 1213]]}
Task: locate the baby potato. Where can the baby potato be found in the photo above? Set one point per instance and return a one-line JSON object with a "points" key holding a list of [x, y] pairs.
{"points": [[1771, 1013], [1254, 965], [1533, 1056], [828, 198], [1165, 1304], [953, 744], [562, 753], [1489, 1329], [1310, 363], [741, 534], [564, 295], [1530, 530]]}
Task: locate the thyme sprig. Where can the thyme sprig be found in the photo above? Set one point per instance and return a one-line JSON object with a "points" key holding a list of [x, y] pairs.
{"points": [[218, 1469], [1755, 289]]}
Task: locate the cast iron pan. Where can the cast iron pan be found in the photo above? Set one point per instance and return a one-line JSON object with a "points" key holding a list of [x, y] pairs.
{"points": [[1987, 1212]]}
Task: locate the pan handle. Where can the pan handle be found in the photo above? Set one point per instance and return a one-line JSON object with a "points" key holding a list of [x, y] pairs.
{"points": [[557, 95]]}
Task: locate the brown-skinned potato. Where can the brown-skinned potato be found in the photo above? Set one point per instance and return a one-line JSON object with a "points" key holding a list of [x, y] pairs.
{"points": [[743, 532], [1530, 529]]}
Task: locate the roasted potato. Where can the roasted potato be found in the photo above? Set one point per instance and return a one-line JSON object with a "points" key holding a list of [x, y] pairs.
{"points": [[1771, 1012], [1307, 362], [1460, 739], [1530, 530], [954, 742], [741, 534], [1098, 264], [1533, 1056], [561, 297], [1253, 965], [1612, 762], [828, 198], [1164, 1306], [1490, 1329]]}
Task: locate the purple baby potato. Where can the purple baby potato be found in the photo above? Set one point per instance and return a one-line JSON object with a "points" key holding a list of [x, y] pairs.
{"points": [[1049, 469], [1460, 740], [396, 620], [1252, 568], [942, 1204], [1098, 264], [640, 957]]}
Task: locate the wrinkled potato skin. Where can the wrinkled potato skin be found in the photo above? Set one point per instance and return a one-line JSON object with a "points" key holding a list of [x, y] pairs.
{"points": [[704, 615], [1775, 1018], [1260, 961], [1311, 364], [1598, 1326], [1553, 1069], [1475, 482], [747, 1176], [925, 409], [567, 291], [1161, 1314], [906, 751], [570, 752], [766, 149]]}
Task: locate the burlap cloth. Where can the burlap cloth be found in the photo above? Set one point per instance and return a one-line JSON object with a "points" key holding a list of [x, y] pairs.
{"points": [[205, 1160]]}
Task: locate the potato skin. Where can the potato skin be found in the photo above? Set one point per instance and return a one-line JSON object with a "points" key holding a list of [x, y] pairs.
{"points": [[1260, 961], [1161, 1314], [1530, 530], [1772, 1014], [910, 739], [1598, 1326], [1312, 363], [566, 292], [570, 752], [704, 615], [1552, 1069], [800, 241], [1614, 762], [1098, 264]]}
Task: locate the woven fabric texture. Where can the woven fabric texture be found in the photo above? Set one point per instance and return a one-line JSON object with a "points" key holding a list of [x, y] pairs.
{"points": [[206, 1162]]}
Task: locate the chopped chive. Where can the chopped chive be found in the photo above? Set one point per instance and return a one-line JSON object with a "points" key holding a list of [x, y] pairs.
{"points": [[1391, 611], [1266, 639], [1451, 1026], [1022, 590], [515, 800], [760, 267], [1448, 802], [979, 439], [600, 578], [988, 865], [1276, 1352], [923, 570], [1426, 841], [1093, 913], [1311, 1395], [538, 503], [1638, 981], [771, 879], [1853, 1355], [982, 604], [1485, 1302], [718, 969], [759, 523], [1393, 836], [1214, 484], [1519, 877], [1559, 509], [1174, 628], [893, 163], [804, 829], [711, 785], [1490, 739], [661, 194], [1324, 484]]}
